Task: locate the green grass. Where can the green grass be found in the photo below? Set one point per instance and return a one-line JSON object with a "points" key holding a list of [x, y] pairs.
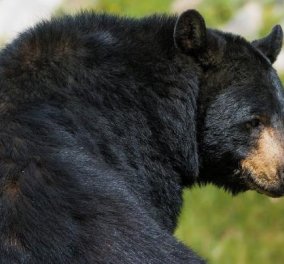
{"points": [[245, 229]]}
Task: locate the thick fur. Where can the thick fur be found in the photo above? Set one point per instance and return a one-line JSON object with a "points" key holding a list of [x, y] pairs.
{"points": [[98, 137]]}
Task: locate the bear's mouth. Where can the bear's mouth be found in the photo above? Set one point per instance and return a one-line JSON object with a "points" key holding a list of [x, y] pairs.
{"points": [[275, 189]]}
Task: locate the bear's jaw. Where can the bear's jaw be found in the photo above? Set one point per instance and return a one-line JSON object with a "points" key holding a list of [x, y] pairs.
{"points": [[271, 191]]}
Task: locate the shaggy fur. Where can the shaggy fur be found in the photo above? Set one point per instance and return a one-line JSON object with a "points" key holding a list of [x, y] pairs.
{"points": [[104, 120]]}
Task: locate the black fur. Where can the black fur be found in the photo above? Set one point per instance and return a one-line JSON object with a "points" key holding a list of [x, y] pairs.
{"points": [[98, 134]]}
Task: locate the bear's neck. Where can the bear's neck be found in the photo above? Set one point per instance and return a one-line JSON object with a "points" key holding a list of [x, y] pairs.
{"points": [[152, 110], [158, 135]]}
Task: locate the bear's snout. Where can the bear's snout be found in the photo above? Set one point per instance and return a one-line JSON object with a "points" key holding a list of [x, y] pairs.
{"points": [[265, 163]]}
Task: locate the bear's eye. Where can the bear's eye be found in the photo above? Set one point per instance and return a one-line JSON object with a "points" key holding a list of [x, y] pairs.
{"points": [[254, 123]]}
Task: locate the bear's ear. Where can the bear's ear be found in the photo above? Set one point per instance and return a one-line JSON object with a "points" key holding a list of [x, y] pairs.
{"points": [[271, 45], [190, 32]]}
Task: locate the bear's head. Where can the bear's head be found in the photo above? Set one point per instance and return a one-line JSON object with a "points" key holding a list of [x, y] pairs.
{"points": [[241, 107]]}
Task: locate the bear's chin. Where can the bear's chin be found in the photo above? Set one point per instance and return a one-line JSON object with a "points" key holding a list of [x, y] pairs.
{"points": [[242, 181], [248, 183], [271, 190]]}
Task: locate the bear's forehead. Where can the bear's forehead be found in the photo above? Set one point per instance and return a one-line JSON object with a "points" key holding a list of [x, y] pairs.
{"points": [[238, 47], [260, 94], [266, 96]]}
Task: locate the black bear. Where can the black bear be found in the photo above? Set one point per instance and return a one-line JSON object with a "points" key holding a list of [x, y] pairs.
{"points": [[104, 120]]}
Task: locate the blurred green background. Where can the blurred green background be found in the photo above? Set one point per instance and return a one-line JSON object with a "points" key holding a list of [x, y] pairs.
{"points": [[246, 229]]}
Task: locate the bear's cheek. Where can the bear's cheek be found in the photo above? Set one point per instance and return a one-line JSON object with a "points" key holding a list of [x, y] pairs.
{"points": [[265, 162]]}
